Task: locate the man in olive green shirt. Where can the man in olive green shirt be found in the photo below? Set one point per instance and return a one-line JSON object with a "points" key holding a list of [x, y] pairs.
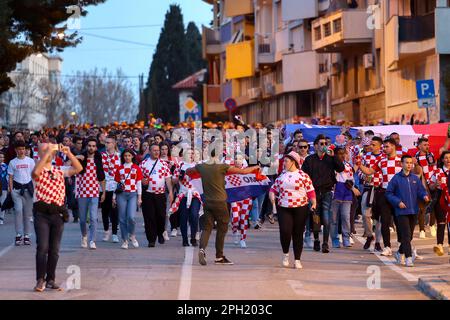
{"points": [[215, 204]]}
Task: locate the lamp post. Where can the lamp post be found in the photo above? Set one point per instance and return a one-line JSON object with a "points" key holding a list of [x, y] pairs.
{"points": [[74, 117]]}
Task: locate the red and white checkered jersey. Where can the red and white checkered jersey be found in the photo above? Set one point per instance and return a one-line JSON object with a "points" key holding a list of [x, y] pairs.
{"points": [[401, 151], [50, 186], [130, 177], [388, 167], [186, 188], [345, 175], [157, 180], [354, 152], [111, 162], [87, 184], [292, 188], [369, 160], [427, 167], [439, 177]]}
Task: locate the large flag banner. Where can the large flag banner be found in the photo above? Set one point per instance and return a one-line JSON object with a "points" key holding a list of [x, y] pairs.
{"points": [[238, 186]]}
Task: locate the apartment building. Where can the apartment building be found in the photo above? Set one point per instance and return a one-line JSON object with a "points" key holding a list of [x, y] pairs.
{"points": [[25, 106], [353, 60], [260, 53], [417, 46]]}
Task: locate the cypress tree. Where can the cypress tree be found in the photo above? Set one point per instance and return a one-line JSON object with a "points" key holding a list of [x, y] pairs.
{"points": [[168, 67], [194, 48]]}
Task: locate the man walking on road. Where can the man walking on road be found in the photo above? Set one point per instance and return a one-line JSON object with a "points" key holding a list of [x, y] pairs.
{"points": [[322, 168], [215, 203]]}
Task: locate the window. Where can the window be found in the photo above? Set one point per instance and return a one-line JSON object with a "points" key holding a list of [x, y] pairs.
{"points": [[317, 35], [337, 25], [327, 29]]}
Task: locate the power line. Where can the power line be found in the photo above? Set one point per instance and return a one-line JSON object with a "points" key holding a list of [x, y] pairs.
{"points": [[78, 76], [118, 40], [119, 27]]}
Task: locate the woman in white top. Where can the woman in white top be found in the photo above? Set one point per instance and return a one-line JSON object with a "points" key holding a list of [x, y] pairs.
{"points": [[188, 202], [294, 190]]}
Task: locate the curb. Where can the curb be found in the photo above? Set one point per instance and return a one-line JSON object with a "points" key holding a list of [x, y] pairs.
{"points": [[435, 287]]}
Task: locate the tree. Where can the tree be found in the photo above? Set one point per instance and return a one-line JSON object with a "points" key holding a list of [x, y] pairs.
{"points": [[32, 26], [100, 97], [55, 98], [169, 66], [194, 49]]}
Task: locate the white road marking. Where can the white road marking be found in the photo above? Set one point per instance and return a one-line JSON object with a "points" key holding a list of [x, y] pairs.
{"points": [[184, 291], [390, 262], [6, 250]]}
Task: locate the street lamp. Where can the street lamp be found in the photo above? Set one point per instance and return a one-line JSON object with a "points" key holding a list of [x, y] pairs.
{"points": [[61, 35], [74, 116]]}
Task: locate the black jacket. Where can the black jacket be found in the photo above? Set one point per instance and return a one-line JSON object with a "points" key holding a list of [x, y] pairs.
{"points": [[98, 164], [322, 172]]}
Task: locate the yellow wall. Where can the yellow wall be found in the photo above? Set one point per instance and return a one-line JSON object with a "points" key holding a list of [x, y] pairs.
{"points": [[240, 60]]}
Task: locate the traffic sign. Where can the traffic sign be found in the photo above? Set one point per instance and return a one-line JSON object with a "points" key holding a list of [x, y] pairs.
{"points": [[190, 104], [425, 89], [230, 104], [427, 103]]}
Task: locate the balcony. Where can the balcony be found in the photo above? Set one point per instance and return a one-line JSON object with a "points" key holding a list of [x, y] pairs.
{"points": [[272, 47], [301, 71], [409, 36], [341, 29], [212, 99], [415, 29], [211, 42]]}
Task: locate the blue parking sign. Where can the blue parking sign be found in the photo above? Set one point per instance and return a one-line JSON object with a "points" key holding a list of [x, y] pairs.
{"points": [[425, 89]]}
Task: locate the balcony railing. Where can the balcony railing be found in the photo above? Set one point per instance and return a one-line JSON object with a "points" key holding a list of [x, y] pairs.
{"points": [[213, 94], [418, 28]]}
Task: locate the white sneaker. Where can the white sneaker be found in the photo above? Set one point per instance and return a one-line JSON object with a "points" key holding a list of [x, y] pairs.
{"points": [[400, 258], [285, 261], [115, 238], [298, 264], [340, 238], [124, 245], [433, 230], [173, 233], [415, 255], [422, 235], [387, 252], [92, 245], [106, 236], [166, 236], [243, 244], [84, 242], [236, 237], [409, 262], [352, 242], [179, 232], [134, 241], [1, 222], [197, 236]]}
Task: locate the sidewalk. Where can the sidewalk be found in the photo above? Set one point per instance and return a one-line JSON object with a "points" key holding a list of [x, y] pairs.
{"points": [[436, 287]]}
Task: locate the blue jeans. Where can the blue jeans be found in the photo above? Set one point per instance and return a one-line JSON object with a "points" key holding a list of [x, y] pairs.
{"points": [[190, 214], [340, 210], [324, 210], [256, 208], [126, 205], [90, 205]]}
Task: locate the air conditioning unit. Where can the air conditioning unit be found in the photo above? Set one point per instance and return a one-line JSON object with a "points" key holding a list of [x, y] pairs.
{"points": [[368, 60], [254, 93], [269, 89], [323, 80]]}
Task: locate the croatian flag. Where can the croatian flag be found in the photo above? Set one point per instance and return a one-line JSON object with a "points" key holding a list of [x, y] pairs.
{"points": [[238, 186]]}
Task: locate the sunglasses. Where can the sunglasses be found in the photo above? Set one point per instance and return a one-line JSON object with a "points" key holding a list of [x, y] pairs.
{"points": [[323, 144], [303, 147]]}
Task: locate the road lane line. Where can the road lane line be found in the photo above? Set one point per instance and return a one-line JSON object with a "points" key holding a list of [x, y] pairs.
{"points": [[184, 291], [391, 263], [6, 250]]}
